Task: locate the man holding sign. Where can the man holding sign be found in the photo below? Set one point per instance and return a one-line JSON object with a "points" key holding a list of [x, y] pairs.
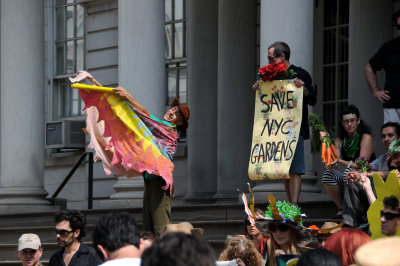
{"points": [[279, 52]]}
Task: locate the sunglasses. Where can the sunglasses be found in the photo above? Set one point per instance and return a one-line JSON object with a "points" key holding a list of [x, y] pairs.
{"points": [[389, 216], [281, 227], [271, 58], [62, 232]]}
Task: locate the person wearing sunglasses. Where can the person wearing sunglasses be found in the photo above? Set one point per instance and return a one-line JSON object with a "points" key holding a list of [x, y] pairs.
{"points": [[287, 237], [69, 230], [388, 59], [251, 232], [390, 216], [279, 52]]}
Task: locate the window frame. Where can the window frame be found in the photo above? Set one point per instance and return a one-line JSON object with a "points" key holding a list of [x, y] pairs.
{"points": [[60, 80]]}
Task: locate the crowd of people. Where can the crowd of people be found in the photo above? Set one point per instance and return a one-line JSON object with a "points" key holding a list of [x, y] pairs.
{"points": [[276, 236]]}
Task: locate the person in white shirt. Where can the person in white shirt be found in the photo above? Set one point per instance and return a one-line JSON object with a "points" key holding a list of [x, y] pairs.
{"points": [[116, 239]]}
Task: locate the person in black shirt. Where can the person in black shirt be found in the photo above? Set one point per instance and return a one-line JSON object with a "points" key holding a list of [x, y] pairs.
{"points": [[279, 52], [388, 59], [70, 228]]}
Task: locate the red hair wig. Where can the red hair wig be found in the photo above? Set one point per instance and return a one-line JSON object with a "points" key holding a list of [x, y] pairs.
{"points": [[345, 243]]}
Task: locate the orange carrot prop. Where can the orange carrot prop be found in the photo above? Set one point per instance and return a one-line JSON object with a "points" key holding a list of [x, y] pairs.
{"points": [[328, 151], [323, 149]]}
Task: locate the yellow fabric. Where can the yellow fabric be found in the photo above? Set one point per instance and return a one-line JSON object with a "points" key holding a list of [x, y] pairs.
{"points": [[383, 189]]}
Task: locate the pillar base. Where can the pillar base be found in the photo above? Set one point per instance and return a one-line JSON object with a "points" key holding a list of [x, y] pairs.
{"points": [[226, 197], [24, 200], [129, 194]]}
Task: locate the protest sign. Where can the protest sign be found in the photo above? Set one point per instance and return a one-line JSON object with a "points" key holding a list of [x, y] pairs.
{"points": [[277, 121]]}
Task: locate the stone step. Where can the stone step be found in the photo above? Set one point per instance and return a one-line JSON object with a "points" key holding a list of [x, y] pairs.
{"points": [[217, 219], [180, 212], [215, 233]]}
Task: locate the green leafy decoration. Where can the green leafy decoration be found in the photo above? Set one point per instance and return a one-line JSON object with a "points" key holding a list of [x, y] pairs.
{"points": [[317, 125], [287, 210]]}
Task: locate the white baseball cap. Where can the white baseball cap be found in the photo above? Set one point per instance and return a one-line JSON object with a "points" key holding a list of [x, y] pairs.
{"points": [[31, 241]]}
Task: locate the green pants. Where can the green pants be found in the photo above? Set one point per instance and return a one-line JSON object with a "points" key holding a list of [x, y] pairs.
{"points": [[156, 206]]}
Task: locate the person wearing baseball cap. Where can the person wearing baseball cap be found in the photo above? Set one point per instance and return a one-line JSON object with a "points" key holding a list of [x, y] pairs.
{"points": [[30, 250]]}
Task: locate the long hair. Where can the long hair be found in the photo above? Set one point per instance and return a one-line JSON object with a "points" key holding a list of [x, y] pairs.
{"points": [[293, 249], [345, 243], [256, 212], [362, 127], [242, 248]]}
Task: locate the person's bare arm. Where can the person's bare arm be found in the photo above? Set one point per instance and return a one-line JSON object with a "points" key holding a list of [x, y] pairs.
{"points": [[370, 75], [94, 81], [366, 146], [121, 92], [366, 184]]}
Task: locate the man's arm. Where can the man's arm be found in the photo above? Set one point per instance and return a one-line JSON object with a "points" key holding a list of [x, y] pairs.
{"points": [[121, 92], [370, 75], [304, 79]]}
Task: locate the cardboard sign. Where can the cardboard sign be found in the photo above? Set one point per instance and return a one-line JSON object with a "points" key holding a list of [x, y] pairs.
{"points": [[277, 121]]}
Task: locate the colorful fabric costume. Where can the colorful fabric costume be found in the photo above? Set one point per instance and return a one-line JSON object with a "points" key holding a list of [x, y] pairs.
{"points": [[127, 141]]}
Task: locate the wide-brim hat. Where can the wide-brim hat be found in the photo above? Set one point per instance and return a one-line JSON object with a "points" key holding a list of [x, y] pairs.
{"points": [[382, 251], [184, 110], [196, 231], [287, 213]]}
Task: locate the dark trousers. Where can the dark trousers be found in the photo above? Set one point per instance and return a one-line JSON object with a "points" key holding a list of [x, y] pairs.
{"points": [[355, 205], [156, 206]]}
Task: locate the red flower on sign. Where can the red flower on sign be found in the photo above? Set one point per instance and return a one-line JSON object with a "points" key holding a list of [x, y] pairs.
{"points": [[269, 72]]}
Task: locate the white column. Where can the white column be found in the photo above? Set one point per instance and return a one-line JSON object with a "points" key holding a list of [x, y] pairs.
{"points": [[22, 107], [141, 71], [290, 22], [202, 100], [236, 64]]}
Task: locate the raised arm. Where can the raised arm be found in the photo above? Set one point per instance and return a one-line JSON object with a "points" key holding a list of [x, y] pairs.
{"points": [[121, 92], [366, 184]]}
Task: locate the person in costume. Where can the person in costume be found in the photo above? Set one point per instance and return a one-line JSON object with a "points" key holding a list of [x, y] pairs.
{"points": [[157, 201], [287, 236], [345, 243], [354, 140], [125, 155]]}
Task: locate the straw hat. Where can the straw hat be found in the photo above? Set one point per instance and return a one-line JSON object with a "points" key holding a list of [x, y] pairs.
{"points": [[382, 251]]}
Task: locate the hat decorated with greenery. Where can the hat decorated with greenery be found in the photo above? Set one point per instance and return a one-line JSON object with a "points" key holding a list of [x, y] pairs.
{"points": [[287, 213], [394, 147], [283, 211]]}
